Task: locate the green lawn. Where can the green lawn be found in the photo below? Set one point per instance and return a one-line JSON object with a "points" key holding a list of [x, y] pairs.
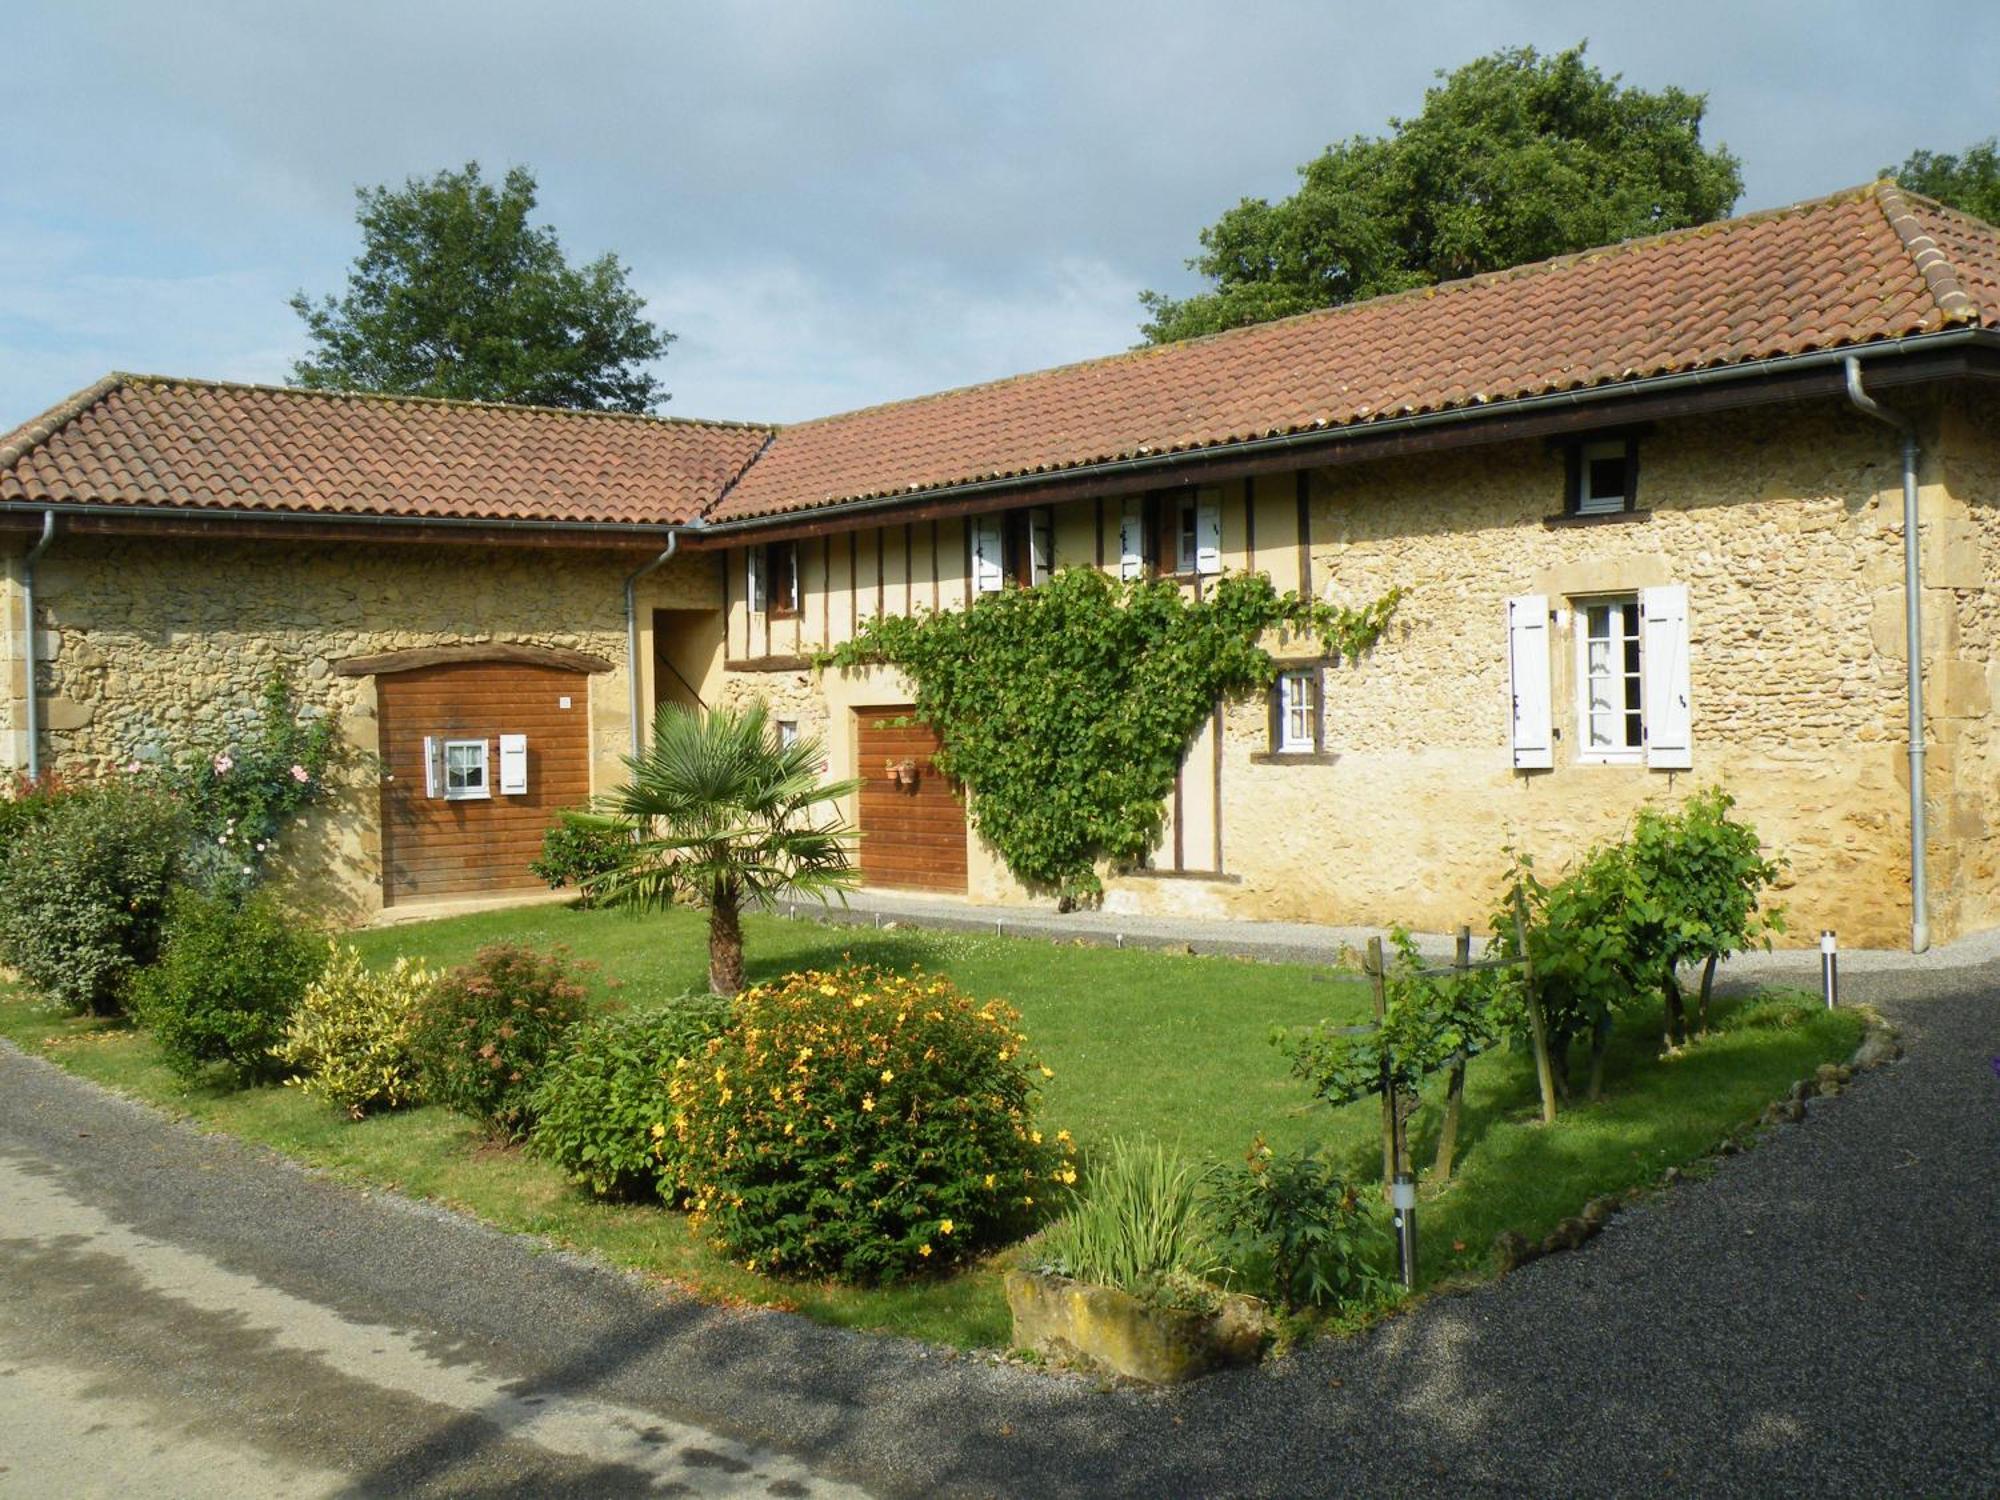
{"points": [[1141, 1043]]}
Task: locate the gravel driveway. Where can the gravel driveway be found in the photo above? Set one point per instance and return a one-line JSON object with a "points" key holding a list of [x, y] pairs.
{"points": [[181, 1314]]}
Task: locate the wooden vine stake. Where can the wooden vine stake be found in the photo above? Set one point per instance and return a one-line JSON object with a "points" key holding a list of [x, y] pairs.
{"points": [[1454, 1092], [1378, 987], [1544, 1073]]}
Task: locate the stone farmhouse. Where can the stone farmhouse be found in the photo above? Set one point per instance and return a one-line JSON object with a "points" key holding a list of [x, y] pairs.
{"points": [[1650, 503]]}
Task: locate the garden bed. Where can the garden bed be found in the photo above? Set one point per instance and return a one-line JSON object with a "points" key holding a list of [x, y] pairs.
{"points": [[1140, 1044]]}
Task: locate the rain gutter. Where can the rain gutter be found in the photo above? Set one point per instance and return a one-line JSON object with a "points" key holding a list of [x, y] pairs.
{"points": [[29, 653], [1913, 653]]}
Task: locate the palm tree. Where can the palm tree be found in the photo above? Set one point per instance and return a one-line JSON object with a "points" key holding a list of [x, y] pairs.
{"points": [[722, 813]]}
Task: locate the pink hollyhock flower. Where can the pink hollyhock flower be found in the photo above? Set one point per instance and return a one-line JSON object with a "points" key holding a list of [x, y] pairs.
{"points": [[301, 775]]}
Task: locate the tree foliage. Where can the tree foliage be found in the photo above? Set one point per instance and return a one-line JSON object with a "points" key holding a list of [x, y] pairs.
{"points": [[1684, 887], [455, 293], [1066, 709], [1515, 157], [1968, 180], [1430, 1021]]}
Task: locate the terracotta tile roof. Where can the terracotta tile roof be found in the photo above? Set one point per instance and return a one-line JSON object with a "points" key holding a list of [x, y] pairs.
{"points": [[1862, 266], [1870, 264], [147, 440]]}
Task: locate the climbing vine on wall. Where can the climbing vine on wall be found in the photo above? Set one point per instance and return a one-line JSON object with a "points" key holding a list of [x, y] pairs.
{"points": [[1066, 709]]}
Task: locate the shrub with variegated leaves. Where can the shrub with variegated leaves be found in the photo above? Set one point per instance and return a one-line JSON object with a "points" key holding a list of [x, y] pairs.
{"points": [[349, 1040], [864, 1125]]}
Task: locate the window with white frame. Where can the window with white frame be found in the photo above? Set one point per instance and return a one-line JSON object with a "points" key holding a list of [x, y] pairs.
{"points": [[1295, 712], [1611, 691], [788, 733], [465, 771], [1632, 681], [1602, 476], [1198, 533]]}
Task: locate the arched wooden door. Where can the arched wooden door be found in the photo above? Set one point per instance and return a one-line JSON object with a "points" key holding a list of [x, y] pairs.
{"points": [[478, 760]]}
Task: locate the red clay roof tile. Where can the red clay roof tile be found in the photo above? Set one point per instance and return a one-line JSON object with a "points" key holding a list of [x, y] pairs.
{"points": [[146, 440]]}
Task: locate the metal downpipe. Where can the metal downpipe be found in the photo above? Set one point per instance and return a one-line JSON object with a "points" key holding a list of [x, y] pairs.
{"points": [[632, 633], [30, 654], [1913, 636]]}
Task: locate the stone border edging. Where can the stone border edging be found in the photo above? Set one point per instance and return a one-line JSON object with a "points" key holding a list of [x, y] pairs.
{"points": [[1879, 1046]]}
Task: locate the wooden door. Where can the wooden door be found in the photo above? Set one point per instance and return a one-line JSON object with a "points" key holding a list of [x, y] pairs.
{"points": [[912, 817], [435, 846]]}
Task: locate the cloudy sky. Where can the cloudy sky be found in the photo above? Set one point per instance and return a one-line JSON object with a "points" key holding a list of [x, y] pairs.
{"points": [[830, 203]]}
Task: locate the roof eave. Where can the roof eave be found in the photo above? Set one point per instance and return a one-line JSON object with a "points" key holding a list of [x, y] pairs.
{"points": [[1752, 382]]}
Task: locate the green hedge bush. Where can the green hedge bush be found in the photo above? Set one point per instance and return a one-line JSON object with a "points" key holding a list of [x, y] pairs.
{"points": [[574, 852], [602, 1108], [83, 901], [349, 1041], [863, 1125], [229, 977], [485, 1032]]}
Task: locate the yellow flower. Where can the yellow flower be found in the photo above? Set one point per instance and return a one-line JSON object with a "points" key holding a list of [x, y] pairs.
{"points": [[989, 1179], [1047, 1071], [1035, 1136], [924, 1251], [868, 1102], [827, 989], [1067, 1176], [1062, 1135], [659, 1132], [888, 1076], [945, 1226], [857, 1002]]}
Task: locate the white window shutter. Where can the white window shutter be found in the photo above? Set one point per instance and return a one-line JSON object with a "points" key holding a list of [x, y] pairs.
{"points": [[1663, 655], [1208, 531], [753, 578], [1041, 544], [1528, 677], [513, 765], [987, 546], [1132, 539], [433, 767]]}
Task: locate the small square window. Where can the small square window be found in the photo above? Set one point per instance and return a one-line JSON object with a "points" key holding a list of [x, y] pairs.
{"points": [[788, 733], [1602, 477], [465, 770], [1296, 712]]}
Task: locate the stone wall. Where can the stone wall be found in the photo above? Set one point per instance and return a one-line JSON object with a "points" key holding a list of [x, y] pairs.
{"points": [[1962, 563], [158, 645], [1785, 527]]}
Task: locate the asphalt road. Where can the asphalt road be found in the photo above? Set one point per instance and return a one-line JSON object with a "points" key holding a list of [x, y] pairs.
{"points": [[183, 1315]]}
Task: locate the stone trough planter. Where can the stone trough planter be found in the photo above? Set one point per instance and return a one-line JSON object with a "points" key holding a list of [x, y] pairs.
{"points": [[1101, 1328]]}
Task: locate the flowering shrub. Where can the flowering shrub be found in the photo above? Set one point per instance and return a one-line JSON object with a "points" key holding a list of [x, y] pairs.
{"points": [[349, 1039], [602, 1106], [82, 903], [864, 1125], [229, 977], [241, 796], [28, 801], [485, 1031]]}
